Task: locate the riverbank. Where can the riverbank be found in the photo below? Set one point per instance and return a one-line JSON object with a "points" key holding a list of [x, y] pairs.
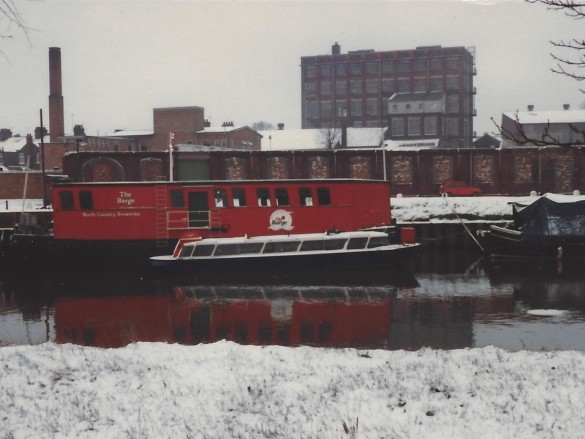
{"points": [[225, 390]]}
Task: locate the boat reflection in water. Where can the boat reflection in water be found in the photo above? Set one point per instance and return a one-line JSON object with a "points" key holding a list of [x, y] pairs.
{"points": [[282, 315]]}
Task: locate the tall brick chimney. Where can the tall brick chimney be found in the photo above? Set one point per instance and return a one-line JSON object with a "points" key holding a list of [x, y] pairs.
{"points": [[56, 111]]}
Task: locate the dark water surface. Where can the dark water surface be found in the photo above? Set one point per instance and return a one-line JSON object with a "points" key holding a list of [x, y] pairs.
{"points": [[449, 301]]}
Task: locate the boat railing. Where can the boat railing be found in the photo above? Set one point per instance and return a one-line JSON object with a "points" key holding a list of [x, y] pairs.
{"points": [[189, 219]]}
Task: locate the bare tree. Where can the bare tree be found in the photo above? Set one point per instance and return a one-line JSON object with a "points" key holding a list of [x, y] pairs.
{"points": [[331, 137], [572, 59], [11, 21], [262, 126], [570, 62]]}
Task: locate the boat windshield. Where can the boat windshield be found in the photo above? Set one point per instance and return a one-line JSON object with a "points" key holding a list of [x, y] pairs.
{"points": [[186, 251], [203, 250], [378, 242], [357, 243]]}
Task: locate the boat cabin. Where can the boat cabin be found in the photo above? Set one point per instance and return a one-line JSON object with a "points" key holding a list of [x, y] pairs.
{"points": [[172, 210], [271, 245]]}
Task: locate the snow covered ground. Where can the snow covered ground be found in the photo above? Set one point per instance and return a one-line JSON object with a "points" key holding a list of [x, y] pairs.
{"points": [[224, 390]]}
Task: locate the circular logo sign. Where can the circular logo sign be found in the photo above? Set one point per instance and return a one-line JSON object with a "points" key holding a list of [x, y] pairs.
{"points": [[280, 220]]}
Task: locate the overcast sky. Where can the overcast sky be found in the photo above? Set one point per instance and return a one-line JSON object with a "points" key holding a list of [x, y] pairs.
{"points": [[240, 59]]}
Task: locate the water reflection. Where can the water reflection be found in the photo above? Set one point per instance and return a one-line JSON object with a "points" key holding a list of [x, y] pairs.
{"points": [[457, 301]]}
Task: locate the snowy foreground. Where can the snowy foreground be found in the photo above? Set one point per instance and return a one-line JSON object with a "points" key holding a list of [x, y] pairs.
{"points": [[223, 390]]}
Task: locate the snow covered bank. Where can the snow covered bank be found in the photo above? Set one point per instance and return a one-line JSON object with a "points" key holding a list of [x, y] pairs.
{"points": [[407, 209], [224, 390]]}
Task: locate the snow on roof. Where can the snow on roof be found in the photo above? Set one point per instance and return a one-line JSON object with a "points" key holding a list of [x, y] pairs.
{"points": [[220, 129], [561, 116], [282, 140], [129, 133], [13, 144], [411, 144]]}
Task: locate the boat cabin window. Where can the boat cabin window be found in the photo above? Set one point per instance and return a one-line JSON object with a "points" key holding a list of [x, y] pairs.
{"points": [[357, 243], [306, 196], [186, 251], [203, 250], [263, 196], [324, 196], [177, 200], [281, 195], [323, 244], [238, 249], [281, 247], [220, 196], [85, 200], [66, 199], [378, 242], [239, 197]]}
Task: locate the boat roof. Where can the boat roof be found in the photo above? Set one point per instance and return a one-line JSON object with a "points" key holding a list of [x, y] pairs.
{"points": [[223, 182], [293, 237]]}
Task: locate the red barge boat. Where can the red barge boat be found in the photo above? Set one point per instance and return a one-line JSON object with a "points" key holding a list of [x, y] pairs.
{"points": [[125, 223]]}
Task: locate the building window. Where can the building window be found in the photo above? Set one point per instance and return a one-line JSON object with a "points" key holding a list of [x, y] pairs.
{"points": [[177, 200], [372, 107], [323, 196], [310, 88], [404, 65], [397, 126], [436, 83], [387, 66], [356, 87], [372, 67], [372, 123], [325, 88], [306, 196], [388, 85], [436, 64], [281, 195], [452, 126], [325, 70], [310, 71], [420, 84], [452, 63], [403, 85], [263, 196], [356, 68], [85, 200], [340, 87], [431, 126], [340, 108], [326, 109], [66, 199], [420, 65], [452, 103], [341, 69], [356, 107], [452, 82], [372, 86], [311, 109], [414, 126]]}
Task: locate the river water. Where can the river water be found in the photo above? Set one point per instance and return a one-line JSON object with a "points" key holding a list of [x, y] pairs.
{"points": [[448, 301]]}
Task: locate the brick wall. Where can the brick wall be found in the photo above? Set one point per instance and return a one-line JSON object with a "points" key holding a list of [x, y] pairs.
{"points": [[12, 185]]}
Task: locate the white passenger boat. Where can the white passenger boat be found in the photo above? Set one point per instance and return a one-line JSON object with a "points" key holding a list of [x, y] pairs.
{"points": [[287, 256]]}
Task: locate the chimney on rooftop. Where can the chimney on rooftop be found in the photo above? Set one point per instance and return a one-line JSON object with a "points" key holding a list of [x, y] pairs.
{"points": [[566, 106], [336, 49], [56, 112], [530, 107]]}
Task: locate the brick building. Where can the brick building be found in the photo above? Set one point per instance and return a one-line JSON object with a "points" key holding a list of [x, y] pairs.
{"points": [[355, 89]]}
